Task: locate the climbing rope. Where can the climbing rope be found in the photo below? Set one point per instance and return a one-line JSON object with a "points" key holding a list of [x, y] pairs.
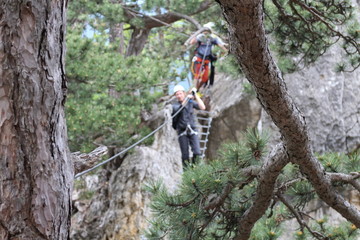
{"points": [[135, 144]]}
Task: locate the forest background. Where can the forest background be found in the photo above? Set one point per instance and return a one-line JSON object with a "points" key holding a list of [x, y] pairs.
{"points": [[122, 57], [129, 63], [113, 78]]}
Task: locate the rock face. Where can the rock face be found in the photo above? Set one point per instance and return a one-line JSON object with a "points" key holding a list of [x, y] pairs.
{"points": [[118, 206], [118, 209], [233, 111], [329, 101]]}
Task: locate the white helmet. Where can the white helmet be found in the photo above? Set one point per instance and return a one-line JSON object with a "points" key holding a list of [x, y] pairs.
{"points": [[178, 88], [209, 26]]}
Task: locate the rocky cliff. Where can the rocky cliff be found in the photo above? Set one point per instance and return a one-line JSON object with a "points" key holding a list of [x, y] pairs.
{"points": [[116, 206], [330, 103]]}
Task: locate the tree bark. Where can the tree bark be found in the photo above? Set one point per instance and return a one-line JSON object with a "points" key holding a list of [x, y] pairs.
{"points": [[250, 46], [264, 192], [36, 171], [137, 41], [84, 161], [117, 32], [140, 35]]}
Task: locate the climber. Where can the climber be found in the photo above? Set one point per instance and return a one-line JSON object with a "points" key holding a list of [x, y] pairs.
{"points": [[203, 55], [184, 123]]}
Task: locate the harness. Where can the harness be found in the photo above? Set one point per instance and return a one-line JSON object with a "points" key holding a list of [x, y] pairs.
{"points": [[199, 60], [204, 62], [188, 131]]}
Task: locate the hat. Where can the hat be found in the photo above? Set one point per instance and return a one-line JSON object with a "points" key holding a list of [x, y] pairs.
{"points": [[208, 26], [178, 88]]}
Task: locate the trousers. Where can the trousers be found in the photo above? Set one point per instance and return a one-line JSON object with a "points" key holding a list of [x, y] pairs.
{"points": [[184, 142]]}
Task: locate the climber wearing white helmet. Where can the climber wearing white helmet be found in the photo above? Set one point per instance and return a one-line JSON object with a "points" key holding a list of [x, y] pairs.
{"points": [[184, 123], [203, 55]]}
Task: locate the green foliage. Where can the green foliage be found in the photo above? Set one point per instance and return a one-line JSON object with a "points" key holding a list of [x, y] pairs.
{"points": [[303, 31], [107, 91], [179, 215], [340, 162], [268, 228], [213, 197], [229, 66], [302, 193], [326, 230]]}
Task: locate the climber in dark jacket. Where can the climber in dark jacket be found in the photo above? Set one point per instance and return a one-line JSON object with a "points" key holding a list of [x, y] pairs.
{"points": [[184, 123]]}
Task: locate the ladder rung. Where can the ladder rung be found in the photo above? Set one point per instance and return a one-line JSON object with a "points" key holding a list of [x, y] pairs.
{"points": [[202, 118], [203, 111], [206, 130], [204, 133]]}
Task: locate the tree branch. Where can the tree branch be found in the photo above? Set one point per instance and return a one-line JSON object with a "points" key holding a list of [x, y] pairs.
{"points": [[149, 22], [318, 15], [348, 178], [264, 192], [220, 199], [188, 18], [184, 204], [287, 184], [250, 46], [84, 161], [169, 17], [299, 218]]}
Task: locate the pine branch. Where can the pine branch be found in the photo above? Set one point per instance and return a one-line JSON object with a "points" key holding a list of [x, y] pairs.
{"points": [[347, 178], [299, 218], [287, 184], [264, 193], [196, 187], [188, 18], [185, 204], [217, 202], [203, 227], [319, 16]]}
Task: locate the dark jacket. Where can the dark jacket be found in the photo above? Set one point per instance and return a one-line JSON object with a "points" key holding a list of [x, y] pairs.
{"points": [[205, 44], [185, 116]]}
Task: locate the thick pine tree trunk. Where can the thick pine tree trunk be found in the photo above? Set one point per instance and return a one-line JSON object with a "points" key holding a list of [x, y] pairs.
{"points": [[36, 171]]}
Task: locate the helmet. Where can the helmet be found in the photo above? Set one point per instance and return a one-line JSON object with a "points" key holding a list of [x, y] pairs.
{"points": [[206, 29], [178, 88], [208, 26]]}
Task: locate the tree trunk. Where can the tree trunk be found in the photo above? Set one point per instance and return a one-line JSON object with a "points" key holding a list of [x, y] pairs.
{"points": [[137, 42], [117, 34], [250, 46], [36, 171], [139, 36]]}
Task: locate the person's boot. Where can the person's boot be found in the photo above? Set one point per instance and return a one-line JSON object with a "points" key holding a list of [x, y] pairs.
{"points": [[195, 159], [186, 163]]}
